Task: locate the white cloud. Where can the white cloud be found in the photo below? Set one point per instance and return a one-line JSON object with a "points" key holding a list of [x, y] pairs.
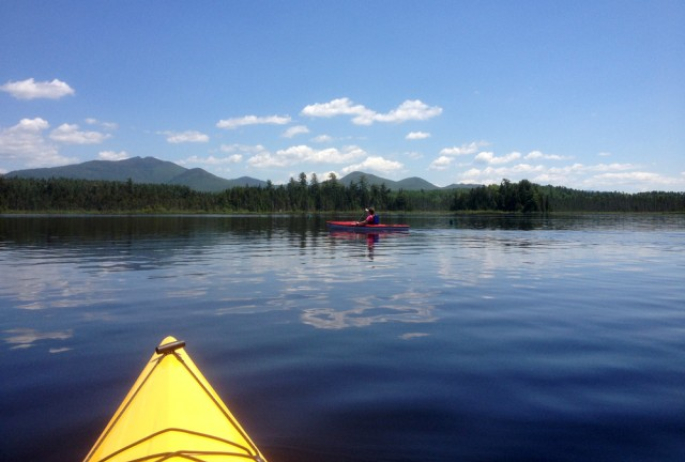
{"points": [[112, 155], [296, 130], [70, 134], [417, 135], [492, 175], [604, 154], [408, 110], [539, 155], [303, 153], [231, 124], [266, 160], [441, 163], [464, 149], [30, 89], [615, 176], [105, 125], [322, 139], [475, 175], [31, 125], [211, 160], [578, 168], [516, 171], [638, 181], [25, 142], [490, 158], [243, 149], [336, 107], [188, 136], [632, 177], [375, 163], [25, 138]]}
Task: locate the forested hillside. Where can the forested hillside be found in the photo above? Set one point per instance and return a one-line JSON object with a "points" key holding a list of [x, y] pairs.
{"points": [[147, 170], [525, 196], [311, 196]]}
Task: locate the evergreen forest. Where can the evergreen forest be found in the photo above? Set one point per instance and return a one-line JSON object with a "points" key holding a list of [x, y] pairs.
{"points": [[61, 195]]}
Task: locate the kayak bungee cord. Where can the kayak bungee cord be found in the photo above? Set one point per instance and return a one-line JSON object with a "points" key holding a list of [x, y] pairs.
{"points": [[253, 449]]}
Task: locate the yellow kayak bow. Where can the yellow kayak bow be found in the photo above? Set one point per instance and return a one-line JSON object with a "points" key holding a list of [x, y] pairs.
{"points": [[173, 414]]}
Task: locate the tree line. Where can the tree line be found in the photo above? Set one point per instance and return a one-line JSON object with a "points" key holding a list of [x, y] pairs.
{"points": [[526, 197], [62, 195]]}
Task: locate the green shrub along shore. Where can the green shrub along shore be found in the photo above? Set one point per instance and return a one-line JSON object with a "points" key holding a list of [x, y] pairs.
{"points": [[62, 195]]}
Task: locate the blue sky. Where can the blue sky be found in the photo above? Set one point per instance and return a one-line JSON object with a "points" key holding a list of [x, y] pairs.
{"points": [[584, 94]]}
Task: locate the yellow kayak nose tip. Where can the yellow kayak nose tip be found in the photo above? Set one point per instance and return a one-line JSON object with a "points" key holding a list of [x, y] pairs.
{"points": [[173, 413]]}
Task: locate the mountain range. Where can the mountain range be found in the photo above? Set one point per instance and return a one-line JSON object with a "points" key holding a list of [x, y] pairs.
{"points": [[155, 171]]}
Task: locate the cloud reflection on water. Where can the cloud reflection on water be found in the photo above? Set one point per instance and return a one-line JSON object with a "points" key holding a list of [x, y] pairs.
{"points": [[37, 282], [413, 335], [21, 338], [409, 307]]}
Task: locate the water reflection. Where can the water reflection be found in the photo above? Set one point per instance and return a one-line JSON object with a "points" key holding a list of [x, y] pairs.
{"points": [[407, 307], [370, 240], [38, 282], [413, 335], [22, 338], [567, 222], [488, 327]]}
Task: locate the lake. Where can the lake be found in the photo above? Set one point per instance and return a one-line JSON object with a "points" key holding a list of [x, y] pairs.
{"points": [[467, 339]]}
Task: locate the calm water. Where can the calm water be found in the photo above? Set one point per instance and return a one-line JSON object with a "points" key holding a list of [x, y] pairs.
{"points": [[474, 339]]}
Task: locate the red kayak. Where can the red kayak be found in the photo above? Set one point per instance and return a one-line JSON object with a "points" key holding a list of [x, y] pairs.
{"points": [[352, 226]]}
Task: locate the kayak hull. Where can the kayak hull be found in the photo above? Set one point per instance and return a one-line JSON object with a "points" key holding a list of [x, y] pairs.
{"points": [[351, 226], [172, 413]]}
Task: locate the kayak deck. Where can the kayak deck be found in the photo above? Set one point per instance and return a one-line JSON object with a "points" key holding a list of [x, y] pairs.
{"points": [[173, 413], [352, 226]]}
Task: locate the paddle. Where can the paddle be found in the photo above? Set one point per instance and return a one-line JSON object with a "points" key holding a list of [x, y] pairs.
{"points": [[363, 218]]}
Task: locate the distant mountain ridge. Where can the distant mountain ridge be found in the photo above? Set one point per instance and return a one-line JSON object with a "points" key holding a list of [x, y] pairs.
{"points": [[139, 170], [155, 171], [408, 184]]}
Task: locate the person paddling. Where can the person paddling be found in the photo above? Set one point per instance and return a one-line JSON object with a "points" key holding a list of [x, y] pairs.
{"points": [[370, 218]]}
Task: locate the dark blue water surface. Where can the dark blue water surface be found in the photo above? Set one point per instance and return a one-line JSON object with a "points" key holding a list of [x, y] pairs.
{"points": [[466, 339]]}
